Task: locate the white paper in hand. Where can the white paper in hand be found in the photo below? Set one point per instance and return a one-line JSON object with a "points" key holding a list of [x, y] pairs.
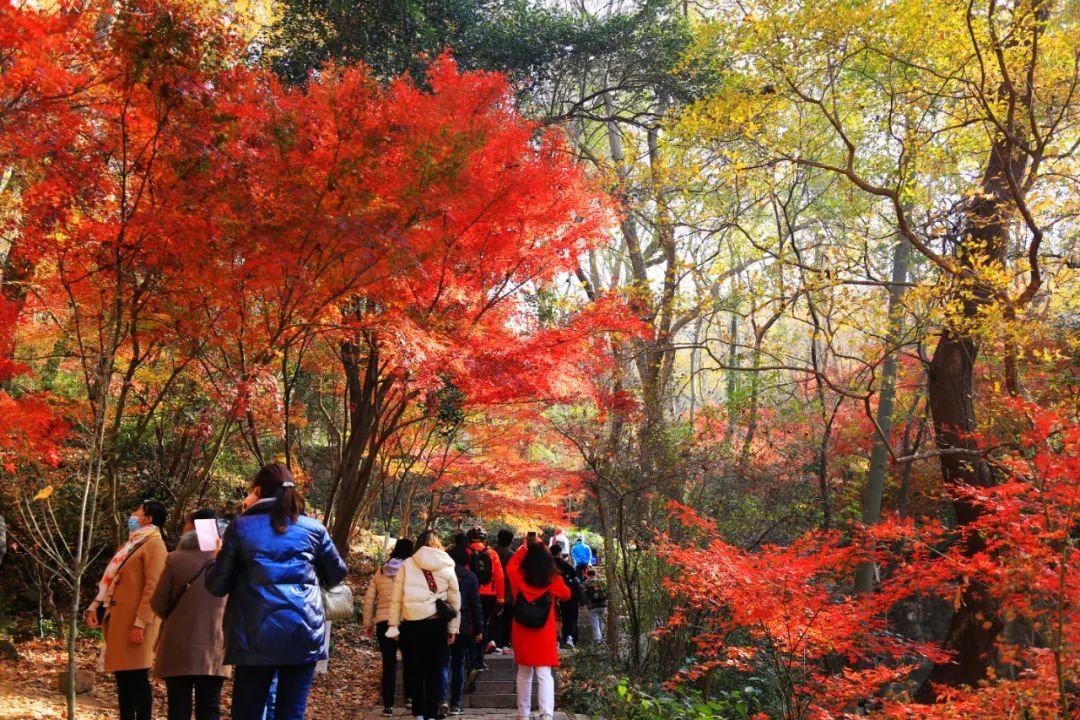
{"points": [[207, 531]]}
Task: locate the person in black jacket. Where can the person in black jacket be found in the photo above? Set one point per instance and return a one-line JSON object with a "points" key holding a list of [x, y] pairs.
{"points": [[472, 625], [272, 560], [568, 608], [504, 620]]}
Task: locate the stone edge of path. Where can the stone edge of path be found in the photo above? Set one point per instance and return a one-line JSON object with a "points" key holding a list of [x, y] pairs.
{"points": [[484, 713]]}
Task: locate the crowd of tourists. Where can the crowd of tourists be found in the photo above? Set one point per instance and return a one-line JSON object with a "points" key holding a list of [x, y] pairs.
{"points": [[445, 610], [254, 606]]}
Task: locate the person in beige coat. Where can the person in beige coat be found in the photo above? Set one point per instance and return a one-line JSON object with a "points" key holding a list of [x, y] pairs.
{"points": [[128, 623], [377, 602], [425, 578], [191, 650]]}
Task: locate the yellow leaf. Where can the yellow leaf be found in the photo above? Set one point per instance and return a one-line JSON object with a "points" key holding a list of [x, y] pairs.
{"points": [[44, 493]]}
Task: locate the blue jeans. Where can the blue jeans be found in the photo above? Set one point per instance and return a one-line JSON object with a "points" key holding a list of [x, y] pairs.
{"points": [[460, 652], [271, 700], [251, 686]]}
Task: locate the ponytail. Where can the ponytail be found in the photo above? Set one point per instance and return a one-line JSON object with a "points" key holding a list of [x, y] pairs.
{"points": [[288, 504], [276, 481], [157, 514]]}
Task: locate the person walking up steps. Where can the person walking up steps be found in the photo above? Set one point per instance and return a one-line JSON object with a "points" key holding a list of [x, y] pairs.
{"points": [[271, 562], [568, 609], [425, 612], [596, 600], [536, 585], [485, 564], [377, 602], [501, 633], [582, 556], [191, 650], [469, 631]]}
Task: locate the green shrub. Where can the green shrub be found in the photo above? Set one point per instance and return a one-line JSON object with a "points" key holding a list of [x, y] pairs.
{"points": [[588, 686]]}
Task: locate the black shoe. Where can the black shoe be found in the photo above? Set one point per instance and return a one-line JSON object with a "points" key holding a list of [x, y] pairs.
{"points": [[388, 711], [457, 710], [444, 710]]}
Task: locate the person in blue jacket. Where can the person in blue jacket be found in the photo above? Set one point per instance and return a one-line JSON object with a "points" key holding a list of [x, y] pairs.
{"points": [[582, 556], [271, 562]]}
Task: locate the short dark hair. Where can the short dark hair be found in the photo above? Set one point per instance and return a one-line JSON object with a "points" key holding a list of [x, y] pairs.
{"points": [[460, 554], [591, 572], [556, 549], [505, 537], [403, 549], [202, 514]]}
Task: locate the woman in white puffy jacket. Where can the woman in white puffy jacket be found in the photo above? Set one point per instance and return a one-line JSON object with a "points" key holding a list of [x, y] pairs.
{"points": [[425, 637]]}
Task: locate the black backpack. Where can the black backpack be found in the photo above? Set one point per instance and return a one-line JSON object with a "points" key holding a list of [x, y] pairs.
{"points": [[480, 564], [532, 614]]}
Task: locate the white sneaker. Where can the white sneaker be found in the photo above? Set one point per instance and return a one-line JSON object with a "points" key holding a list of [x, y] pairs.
{"points": [[569, 644]]}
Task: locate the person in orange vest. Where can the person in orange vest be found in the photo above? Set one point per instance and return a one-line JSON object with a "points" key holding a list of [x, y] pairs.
{"points": [[485, 564]]}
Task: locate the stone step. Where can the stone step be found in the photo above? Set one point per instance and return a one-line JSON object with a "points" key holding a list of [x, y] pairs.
{"points": [[499, 700], [485, 713], [496, 700], [486, 676]]}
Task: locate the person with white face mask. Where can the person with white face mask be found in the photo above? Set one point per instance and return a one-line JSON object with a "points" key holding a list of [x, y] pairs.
{"points": [[122, 609]]}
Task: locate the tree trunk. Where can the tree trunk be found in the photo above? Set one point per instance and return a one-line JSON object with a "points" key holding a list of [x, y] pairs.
{"points": [[364, 390], [879, 451], [950, 389], [731, 379]]}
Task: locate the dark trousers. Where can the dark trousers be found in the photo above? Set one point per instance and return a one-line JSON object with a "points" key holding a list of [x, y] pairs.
{"points": [[501, 632], [488, 606], [569, 619], [388, 648], [207, 691], [251, 685], [461, 653], [424, 645], [134, 693]]}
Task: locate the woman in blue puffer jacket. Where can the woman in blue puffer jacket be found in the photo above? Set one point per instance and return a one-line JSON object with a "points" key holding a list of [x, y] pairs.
{"points": [[271, 562]]}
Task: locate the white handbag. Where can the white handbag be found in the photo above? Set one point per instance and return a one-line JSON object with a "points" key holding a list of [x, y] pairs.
{"points": [[338, 602]]}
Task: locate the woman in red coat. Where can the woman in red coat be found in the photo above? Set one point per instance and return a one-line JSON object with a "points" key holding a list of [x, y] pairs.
{"points": [[535, 585]]}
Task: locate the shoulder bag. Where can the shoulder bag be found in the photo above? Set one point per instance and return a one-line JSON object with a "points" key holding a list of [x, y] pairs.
{"points": [[338, 602], [188, 584], [443, 610], [532, 614]]}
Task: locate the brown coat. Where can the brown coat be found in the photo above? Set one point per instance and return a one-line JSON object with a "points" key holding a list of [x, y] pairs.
{"points": [[132, 589], [192, 640]]}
